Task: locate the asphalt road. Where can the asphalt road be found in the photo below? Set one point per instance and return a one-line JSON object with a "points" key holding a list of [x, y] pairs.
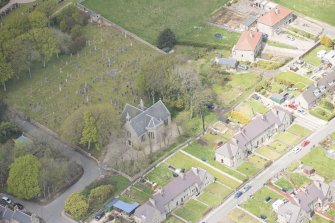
{"points": [[258, 182], [52, 212]]}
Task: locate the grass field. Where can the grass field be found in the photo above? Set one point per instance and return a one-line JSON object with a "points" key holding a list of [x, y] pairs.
{"points": [[319, 9], [251, 107], [210, 199], [299, 179], [252, 165], [192, 211], [284, 184], [323, 165], [208, 153], [258, 206], [180, 160], [287, 138], [311, 56], [41, 99], [299, 130], [160, 175], [147, 18], [229, 92], [297, 80], [238, 216]]}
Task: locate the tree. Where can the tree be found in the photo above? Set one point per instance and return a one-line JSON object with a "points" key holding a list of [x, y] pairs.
{"points": [[166, 39], [326, 41], [7, 131], [24, 177], [90, 132], [37, 19], [101, 193], [76, 205], [6, 71]]}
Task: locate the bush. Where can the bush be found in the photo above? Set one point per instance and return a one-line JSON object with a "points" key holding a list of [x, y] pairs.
{"points": [[76, 206], [239, 117], [327, 105], [326, 41], [166, 39]]}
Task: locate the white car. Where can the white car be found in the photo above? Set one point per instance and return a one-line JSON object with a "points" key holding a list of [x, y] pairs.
{"points": [[296, 149], [7, 200]]}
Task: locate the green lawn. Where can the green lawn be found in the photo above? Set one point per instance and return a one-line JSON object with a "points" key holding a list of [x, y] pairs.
{"points": [[211, 138], [297, 80], [321, 163], [322, 113], [252, 165], [299, 179], [251, 107], [319, 9], [160, 175], [173, 219], [258, 206], [209, 199], [311, 56], [208, 153], [280, 45], [268, 152], [180, 160], [299, 130], [41, 99], [138, 193], [192, 211], [147, 18], [276, 87], [218, 189], [287, 138], [284, 184], [238, 216], [230, 91], [278, 146]]}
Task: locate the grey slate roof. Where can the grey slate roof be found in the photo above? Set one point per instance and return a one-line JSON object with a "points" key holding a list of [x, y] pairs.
{"points": [[149, 118], [146, 212], [227, 62], [290, 211], [170, 191], [21, 217], [16, 215], [328, 82], [229, 149], [316, 190], [249, 21]]}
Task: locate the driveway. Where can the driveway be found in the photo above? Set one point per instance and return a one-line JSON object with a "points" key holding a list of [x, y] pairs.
{"points": [[258, 182], [52, 212]]}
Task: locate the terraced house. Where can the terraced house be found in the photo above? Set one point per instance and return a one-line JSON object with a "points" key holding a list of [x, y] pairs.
{"points": [[251, 136], [146, 125], [174, 194]]}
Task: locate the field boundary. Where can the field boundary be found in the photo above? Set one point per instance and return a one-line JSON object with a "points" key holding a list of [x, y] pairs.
{"points": [[116, 26]]}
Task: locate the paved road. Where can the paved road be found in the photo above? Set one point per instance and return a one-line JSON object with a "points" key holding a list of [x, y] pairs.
{"points": [[52, 212], [258, 182]]}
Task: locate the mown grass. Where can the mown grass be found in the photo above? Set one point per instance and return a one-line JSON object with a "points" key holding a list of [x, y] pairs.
{"points": [[192, 211]]}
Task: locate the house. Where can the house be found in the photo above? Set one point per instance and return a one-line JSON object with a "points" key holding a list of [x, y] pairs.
{"points": [[259, 130], [174, 194], [274, 20], [329, 58], [315, 91], [226, 62], [248, 23], [248, 46], [292, 213], [263, 4], [321, 54], [8, 215], [145, 125], [277, 204]]}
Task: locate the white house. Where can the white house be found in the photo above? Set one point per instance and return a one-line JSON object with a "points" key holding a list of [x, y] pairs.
{"points": [[259, 130], [274, 20], [248, 46]]}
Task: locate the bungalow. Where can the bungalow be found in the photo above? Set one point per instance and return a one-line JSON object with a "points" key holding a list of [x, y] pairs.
{"points": [[301, 208], [274, 20], [174, 194], [248, 46], [259, 130], [315, 91], [144, 125]]}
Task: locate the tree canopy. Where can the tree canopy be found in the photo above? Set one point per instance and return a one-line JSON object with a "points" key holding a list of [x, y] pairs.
{"points": [[76, 205], [166, 39], [90, 132], [24, 177]]}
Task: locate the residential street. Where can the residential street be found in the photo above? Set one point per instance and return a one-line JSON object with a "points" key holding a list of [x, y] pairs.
{"points": [[52, 212], [257, 183]]}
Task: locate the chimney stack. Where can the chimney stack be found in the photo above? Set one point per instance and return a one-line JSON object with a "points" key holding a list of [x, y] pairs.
{"points": [[277, 11]]}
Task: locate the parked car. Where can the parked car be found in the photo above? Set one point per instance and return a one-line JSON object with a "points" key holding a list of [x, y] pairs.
{"points": [[238, 194], [246, 188], [305, 143], [296, 149], [294, 68], [268, 199], [255, 96], [6, 199], [242, 67], [290, 38], [301, 111], [99, 215], [19, 206], [292, 106]]}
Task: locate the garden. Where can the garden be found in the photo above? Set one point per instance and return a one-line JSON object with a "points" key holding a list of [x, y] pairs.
{"points": [[239, 216], [193, 211], [324, 109], [252, 165], [311, 57], [293, 79]]}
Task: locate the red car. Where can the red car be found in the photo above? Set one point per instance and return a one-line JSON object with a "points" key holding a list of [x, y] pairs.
{"points": [[305, 143], [292, 106]]}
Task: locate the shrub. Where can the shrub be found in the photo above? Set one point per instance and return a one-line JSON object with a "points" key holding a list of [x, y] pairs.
{"points": [[239, 117], [326, 41], [76, 206], [327, 105], [166, 39]]}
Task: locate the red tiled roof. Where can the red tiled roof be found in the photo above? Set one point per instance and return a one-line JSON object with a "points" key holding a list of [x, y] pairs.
{"points": [[248, 40], [274, 16]]}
